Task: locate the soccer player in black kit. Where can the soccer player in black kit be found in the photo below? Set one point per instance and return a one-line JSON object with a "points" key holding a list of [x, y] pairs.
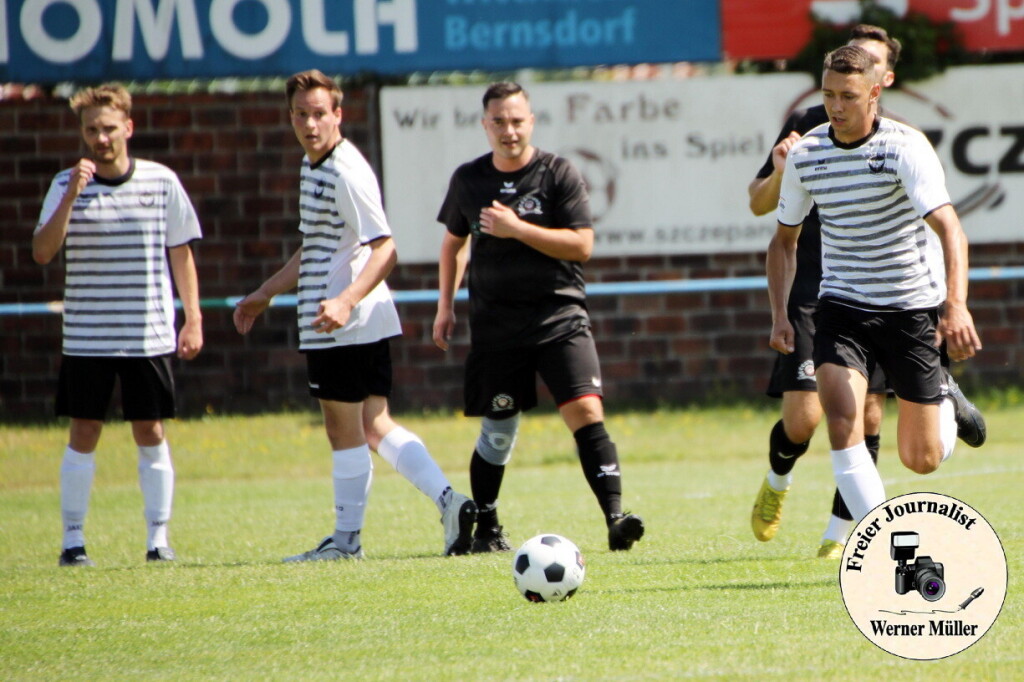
{"points": [[529, 216]]}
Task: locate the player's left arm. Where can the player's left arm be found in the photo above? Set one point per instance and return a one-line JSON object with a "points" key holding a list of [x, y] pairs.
{"points": [[334, 313], [498, 220], [956, 324], [183, 269]]}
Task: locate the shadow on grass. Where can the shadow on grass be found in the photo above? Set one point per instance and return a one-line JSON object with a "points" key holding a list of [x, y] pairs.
{"points": [[727, 587]]}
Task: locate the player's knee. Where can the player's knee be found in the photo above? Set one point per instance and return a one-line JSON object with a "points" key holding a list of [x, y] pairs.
{"points": [[497, 438], [923, 461]]}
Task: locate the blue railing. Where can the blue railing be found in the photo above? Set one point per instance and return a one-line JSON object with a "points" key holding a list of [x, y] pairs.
{"points": [[671, 286]]}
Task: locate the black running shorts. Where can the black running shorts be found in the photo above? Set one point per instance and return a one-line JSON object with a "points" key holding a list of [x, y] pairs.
{"points": [[901, 342], [498, 384], [350, 374], [86, 385], [795, 371]]}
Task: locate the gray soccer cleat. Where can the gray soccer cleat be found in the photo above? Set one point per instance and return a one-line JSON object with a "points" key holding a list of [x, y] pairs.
{"points": [[970, 425], [326, 551]]}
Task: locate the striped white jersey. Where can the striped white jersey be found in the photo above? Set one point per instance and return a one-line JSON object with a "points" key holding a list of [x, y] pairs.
{"points": [[118, 298], [876, 248], [340, 213]]}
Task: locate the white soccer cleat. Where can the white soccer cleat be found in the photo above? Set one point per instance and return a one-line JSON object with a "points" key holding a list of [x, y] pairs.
{"points": [[326, 551], [458, 519]]}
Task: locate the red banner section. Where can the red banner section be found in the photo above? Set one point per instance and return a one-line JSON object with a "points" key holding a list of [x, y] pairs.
{"points": [[768, 29]]}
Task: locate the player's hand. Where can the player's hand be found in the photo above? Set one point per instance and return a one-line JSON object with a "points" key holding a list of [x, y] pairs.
{"points": [[190, 340], [781, 150], [81, 175], [332, 315], [956, 326], [783, 337], [498, 220], [444, 327], [248, 309]]}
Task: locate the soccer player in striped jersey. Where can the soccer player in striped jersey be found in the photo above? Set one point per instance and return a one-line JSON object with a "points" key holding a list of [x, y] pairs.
{"points": [[881, 197], [346, 317], [125, 225]]}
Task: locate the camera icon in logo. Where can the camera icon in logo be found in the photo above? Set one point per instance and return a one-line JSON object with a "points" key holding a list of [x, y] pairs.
{"points": [[924, 575]]}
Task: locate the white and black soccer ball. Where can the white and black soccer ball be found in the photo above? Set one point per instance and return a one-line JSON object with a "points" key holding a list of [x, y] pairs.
{"points": [[548, 567]]}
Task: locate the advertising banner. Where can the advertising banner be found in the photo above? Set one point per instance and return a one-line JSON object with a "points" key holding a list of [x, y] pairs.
{"points": [[668, 162], [766, 29], [47, 41]]}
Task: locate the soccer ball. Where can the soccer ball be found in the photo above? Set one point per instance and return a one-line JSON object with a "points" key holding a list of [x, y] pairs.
{"points": [[548, 568]]}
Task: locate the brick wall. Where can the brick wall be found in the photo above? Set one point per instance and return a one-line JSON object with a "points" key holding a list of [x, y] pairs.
{"points": [[238, 159]]}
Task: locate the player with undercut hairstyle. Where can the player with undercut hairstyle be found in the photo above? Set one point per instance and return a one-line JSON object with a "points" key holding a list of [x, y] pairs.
{"points": [[527, 214], [125, 225], [792, 377], [880, 192], [346, 317]]}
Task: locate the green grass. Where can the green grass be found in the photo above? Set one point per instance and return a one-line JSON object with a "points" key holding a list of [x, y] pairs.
{"points": [[698, 597]]}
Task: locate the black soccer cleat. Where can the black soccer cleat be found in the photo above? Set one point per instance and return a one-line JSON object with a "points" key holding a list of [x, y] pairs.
{"points": [[160, 554], [490, 540], [970, 425], [624, 530], [75, 556]]}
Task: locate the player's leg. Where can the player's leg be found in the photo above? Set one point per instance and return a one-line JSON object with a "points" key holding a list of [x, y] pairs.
{"points": [[498, 386], [571, 370], [407, 453], [844, 356], [338, 380], [84, 389], [147, 396], [793, 380], [842, 391], [841, 521], [926, 429]]}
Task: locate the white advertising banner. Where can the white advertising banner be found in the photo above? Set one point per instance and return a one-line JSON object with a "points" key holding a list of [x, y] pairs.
{"points": [[668, 162]]}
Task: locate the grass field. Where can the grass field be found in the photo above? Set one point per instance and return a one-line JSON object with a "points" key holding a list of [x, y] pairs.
{"points": [[697, 598]]}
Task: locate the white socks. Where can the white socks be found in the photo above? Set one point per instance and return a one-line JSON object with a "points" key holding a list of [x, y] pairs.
{"points": [[947, 427], [352, 472], [156, 479], [76, 474], [858, 480], [779, 482], [404, 450], [838, 529]]}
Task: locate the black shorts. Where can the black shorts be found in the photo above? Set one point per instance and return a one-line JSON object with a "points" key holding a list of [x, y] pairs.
{"points": [[86, 384], [795, 371], [501, 383], [350, 374], [901, 342]]}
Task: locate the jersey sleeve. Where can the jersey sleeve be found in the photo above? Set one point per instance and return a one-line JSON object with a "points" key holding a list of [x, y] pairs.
{"points": [[182, 222], [794, 201], [450, 214], [573, 208], [358, 200], [921, 174], [52, 199]]}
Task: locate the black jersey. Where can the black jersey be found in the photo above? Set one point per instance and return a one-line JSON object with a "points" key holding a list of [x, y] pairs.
{"points": [[517, 295], [807, 281]]}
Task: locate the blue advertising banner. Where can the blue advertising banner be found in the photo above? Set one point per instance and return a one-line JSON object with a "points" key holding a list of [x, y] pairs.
{"points": [[48, 41]]}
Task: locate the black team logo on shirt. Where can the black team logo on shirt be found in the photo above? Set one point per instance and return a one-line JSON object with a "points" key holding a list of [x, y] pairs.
{"points": [[529, 205], [876, 164], [147, 199], [318, 191]]}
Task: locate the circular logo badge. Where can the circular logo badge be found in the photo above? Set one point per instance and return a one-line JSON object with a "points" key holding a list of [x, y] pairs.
{"points": [[923, 576]]}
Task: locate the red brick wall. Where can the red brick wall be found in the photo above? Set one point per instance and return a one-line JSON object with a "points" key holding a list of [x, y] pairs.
{"points": [[238, 159]]}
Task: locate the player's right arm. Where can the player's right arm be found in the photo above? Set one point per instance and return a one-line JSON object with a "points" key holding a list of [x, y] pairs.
{"points": [[48, 239], [253, 305], [780, 266], [451, 268], [764, 192]]}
